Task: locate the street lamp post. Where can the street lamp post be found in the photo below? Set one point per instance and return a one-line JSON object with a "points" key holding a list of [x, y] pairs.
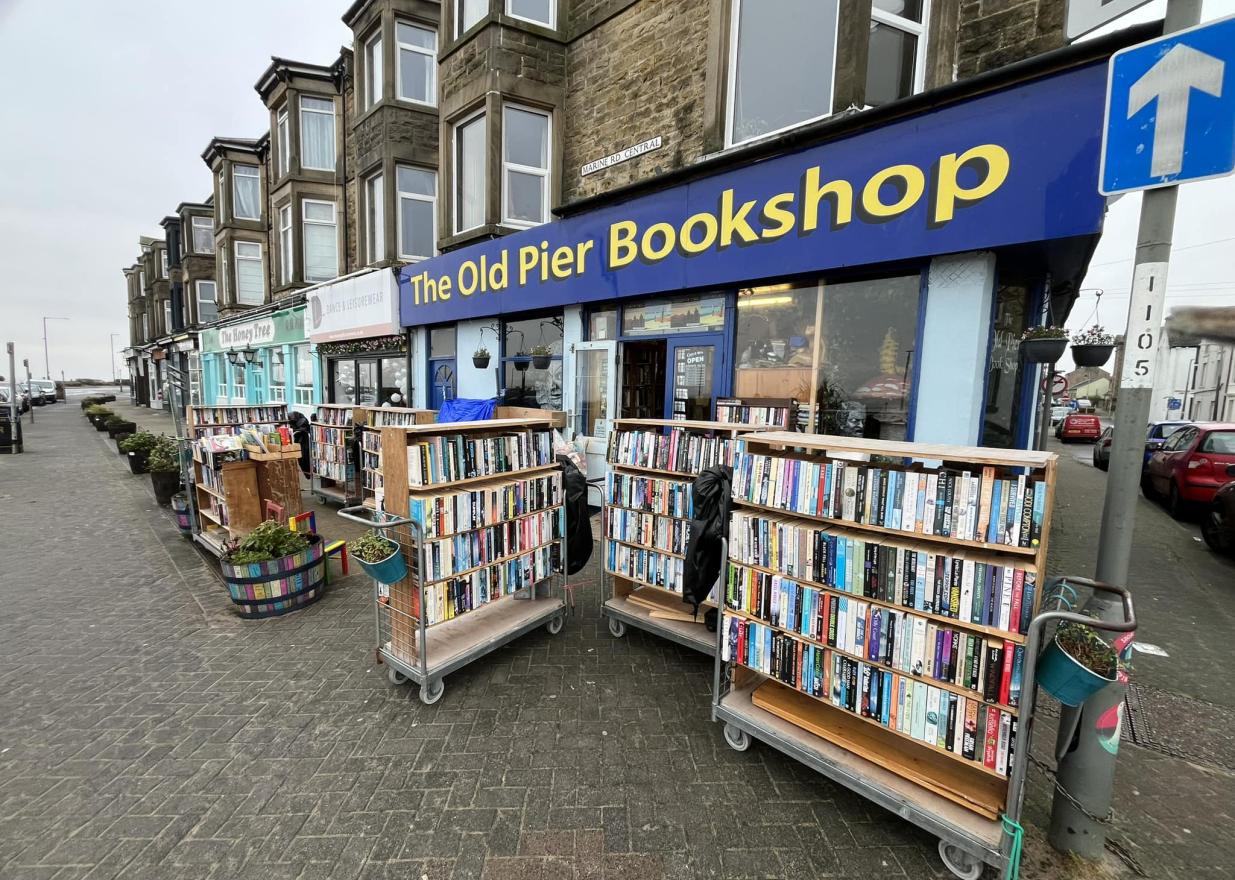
{"points": [[46, 359], [111, 352]]}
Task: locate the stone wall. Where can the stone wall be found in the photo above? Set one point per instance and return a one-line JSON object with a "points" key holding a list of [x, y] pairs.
{"points": [[994, 33], [638, 75]]}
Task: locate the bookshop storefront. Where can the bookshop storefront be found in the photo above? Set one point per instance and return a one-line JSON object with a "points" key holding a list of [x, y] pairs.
{"points": [[362, 350], [259, 360], [880, 277]]}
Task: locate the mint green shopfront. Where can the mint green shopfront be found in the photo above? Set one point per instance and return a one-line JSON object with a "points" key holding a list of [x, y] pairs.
{"points": [[255, 360]]}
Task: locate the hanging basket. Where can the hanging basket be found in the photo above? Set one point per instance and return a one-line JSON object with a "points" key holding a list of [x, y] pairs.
{"points": [[1064, 678], [521, 366], [480, 362], [390, 570], [1092, 355], [1043, 351], [268, 589], [541, 361]]}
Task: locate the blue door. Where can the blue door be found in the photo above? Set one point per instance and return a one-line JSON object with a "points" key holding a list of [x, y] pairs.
{"points": [[441, 381], [695, 376]]}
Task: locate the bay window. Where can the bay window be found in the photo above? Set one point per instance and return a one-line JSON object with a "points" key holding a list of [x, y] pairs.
{"points": [[373, 70], [167, 316], [207, 302], [375, 219], [250, 283], [416, 63], [317, 147], [246, 192], [203, 235], [470, 151], [321, 248], [897, 58], [781, 66], [417, 218], [535, 11], [525, 166], [286, 260], [468, 12], [283, 136]]}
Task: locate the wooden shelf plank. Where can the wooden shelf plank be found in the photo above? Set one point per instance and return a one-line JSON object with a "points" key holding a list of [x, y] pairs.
{"points": [[692, 632], [669, 476], [649, 547], [486, 426], [648, 512], [472, 481], [642, 583], [688, 425], [904, 449]]}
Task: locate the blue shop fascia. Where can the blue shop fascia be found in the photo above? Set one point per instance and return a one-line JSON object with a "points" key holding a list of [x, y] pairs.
{"points": [[879, 267]]}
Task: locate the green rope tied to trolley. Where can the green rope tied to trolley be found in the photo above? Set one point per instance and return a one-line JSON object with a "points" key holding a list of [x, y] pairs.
{"points": [[1013, 870]]}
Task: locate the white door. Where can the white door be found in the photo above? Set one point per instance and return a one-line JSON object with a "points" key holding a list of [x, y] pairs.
{"points": [[595, 400]]}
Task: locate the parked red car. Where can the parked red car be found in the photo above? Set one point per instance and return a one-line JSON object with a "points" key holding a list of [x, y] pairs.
{"points": [[1079, 426], [1191, 466]]}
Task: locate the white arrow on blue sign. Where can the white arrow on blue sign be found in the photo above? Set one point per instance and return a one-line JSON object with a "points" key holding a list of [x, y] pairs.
{"points": [[1170, 110]]}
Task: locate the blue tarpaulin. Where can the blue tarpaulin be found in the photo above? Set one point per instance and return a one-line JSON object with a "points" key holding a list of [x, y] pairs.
{"points": [[462, 409]]}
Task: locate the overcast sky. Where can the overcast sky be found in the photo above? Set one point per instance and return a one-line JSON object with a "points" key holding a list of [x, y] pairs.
{"points": [[109, 119]]}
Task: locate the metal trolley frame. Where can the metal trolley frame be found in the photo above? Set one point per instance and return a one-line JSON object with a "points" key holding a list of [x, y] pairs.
{"points": [[445, 647], [967, 841]]}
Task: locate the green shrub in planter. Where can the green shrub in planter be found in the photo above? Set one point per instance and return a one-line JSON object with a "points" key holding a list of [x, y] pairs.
{"points": [[164, 464], [137, 448], [270, 540]]}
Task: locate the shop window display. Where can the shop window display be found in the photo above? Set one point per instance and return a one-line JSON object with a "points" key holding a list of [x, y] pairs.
{"points": [[526, 384]]}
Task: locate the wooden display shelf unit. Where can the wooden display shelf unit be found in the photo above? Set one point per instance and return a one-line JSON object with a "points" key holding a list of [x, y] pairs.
{"points": [[423, 650], [236, 498], [769, 412], [332, 468], [957, 799], [371, 420], [658, 609]]}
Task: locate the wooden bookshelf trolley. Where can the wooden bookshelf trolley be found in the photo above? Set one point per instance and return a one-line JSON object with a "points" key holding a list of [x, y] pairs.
{"points": [[847, 643], [645, 525], [371, 421], [482, 529], [333, 469], [227, 494]]}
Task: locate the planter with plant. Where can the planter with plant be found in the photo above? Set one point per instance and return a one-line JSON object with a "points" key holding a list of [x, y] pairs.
{"points": [[1044, 345], [379, 556], [97, 415], [541, 355], [137, 449], [1092, 347], [273, 570], [480, 358], [1076, 664], [164, 464], [115, 424]]}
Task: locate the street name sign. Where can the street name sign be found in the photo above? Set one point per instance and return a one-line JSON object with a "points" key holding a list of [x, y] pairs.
{"points": [[1084, 16], [1170, 110]]}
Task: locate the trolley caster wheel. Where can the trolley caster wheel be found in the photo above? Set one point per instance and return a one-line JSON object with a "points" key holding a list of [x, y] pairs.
{"points": [[394, 676], [738, 739], [959, 862], [555, 624], [617, 629], [431, 691]]}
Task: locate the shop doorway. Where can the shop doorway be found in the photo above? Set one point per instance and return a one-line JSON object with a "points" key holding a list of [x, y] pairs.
{"points": [[368, 381], [643, 379]]}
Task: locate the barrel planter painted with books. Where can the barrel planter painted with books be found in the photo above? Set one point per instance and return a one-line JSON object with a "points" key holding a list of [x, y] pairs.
{"points": [[268, 589], [1065, 679]]}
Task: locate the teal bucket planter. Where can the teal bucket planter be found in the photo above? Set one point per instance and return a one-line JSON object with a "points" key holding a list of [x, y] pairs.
{"points": [[1061, 676], [390, 570]]}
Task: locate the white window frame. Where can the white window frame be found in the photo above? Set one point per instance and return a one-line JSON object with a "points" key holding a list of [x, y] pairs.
{"points": [[374, 75], [224, 388], [193, 224], [731, 76], [167, 317], [460, 30], [283, 135], [214, 297], [918, 30], [546, 173], [145, 326], [162, 263], [287, 248], [239, 372], [302, 394], [256, 175], [141, 276], [374, 218], [399, 47], [333, 113], [261, 260], [278, 393], [224, 287], [419, 197], [305, 221], [456, 184], [551, 23]]}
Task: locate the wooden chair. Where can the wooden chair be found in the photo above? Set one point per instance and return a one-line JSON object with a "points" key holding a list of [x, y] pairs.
{"points": [[276, 512], [307, 522]]}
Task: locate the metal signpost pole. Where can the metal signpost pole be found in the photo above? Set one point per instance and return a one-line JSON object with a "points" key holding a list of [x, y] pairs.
{"points": [[25, 362], [14, 409], [1087, 756]]}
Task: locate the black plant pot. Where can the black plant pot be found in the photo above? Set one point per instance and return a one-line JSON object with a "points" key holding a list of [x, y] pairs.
{"points": [[166, 484], [120, 437], [1092, 355], [1043, 351], [480, 362], [521, 366], [121, 428], [541, 361], [100, 425], [137, 462]]}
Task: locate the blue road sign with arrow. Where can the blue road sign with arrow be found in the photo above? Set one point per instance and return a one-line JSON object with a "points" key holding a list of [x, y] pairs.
{"points": [[1170, 110]]}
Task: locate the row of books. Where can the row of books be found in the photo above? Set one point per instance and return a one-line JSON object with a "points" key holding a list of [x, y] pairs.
{"points": [[667, 497], [992, 668], [974, 506], [676, 449], [446, 557], [386, 417], [230, 415], [461, 511], [340, 471], [331, 436], [329, 415], [665, 532], [447, 600], [450, 457], [964, 726], [984, 590], [734, 411], [647, 566]]}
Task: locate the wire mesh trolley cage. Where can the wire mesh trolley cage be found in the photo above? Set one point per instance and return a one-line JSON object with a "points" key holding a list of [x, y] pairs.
{"points": [[873, 590], [484, 546]]}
